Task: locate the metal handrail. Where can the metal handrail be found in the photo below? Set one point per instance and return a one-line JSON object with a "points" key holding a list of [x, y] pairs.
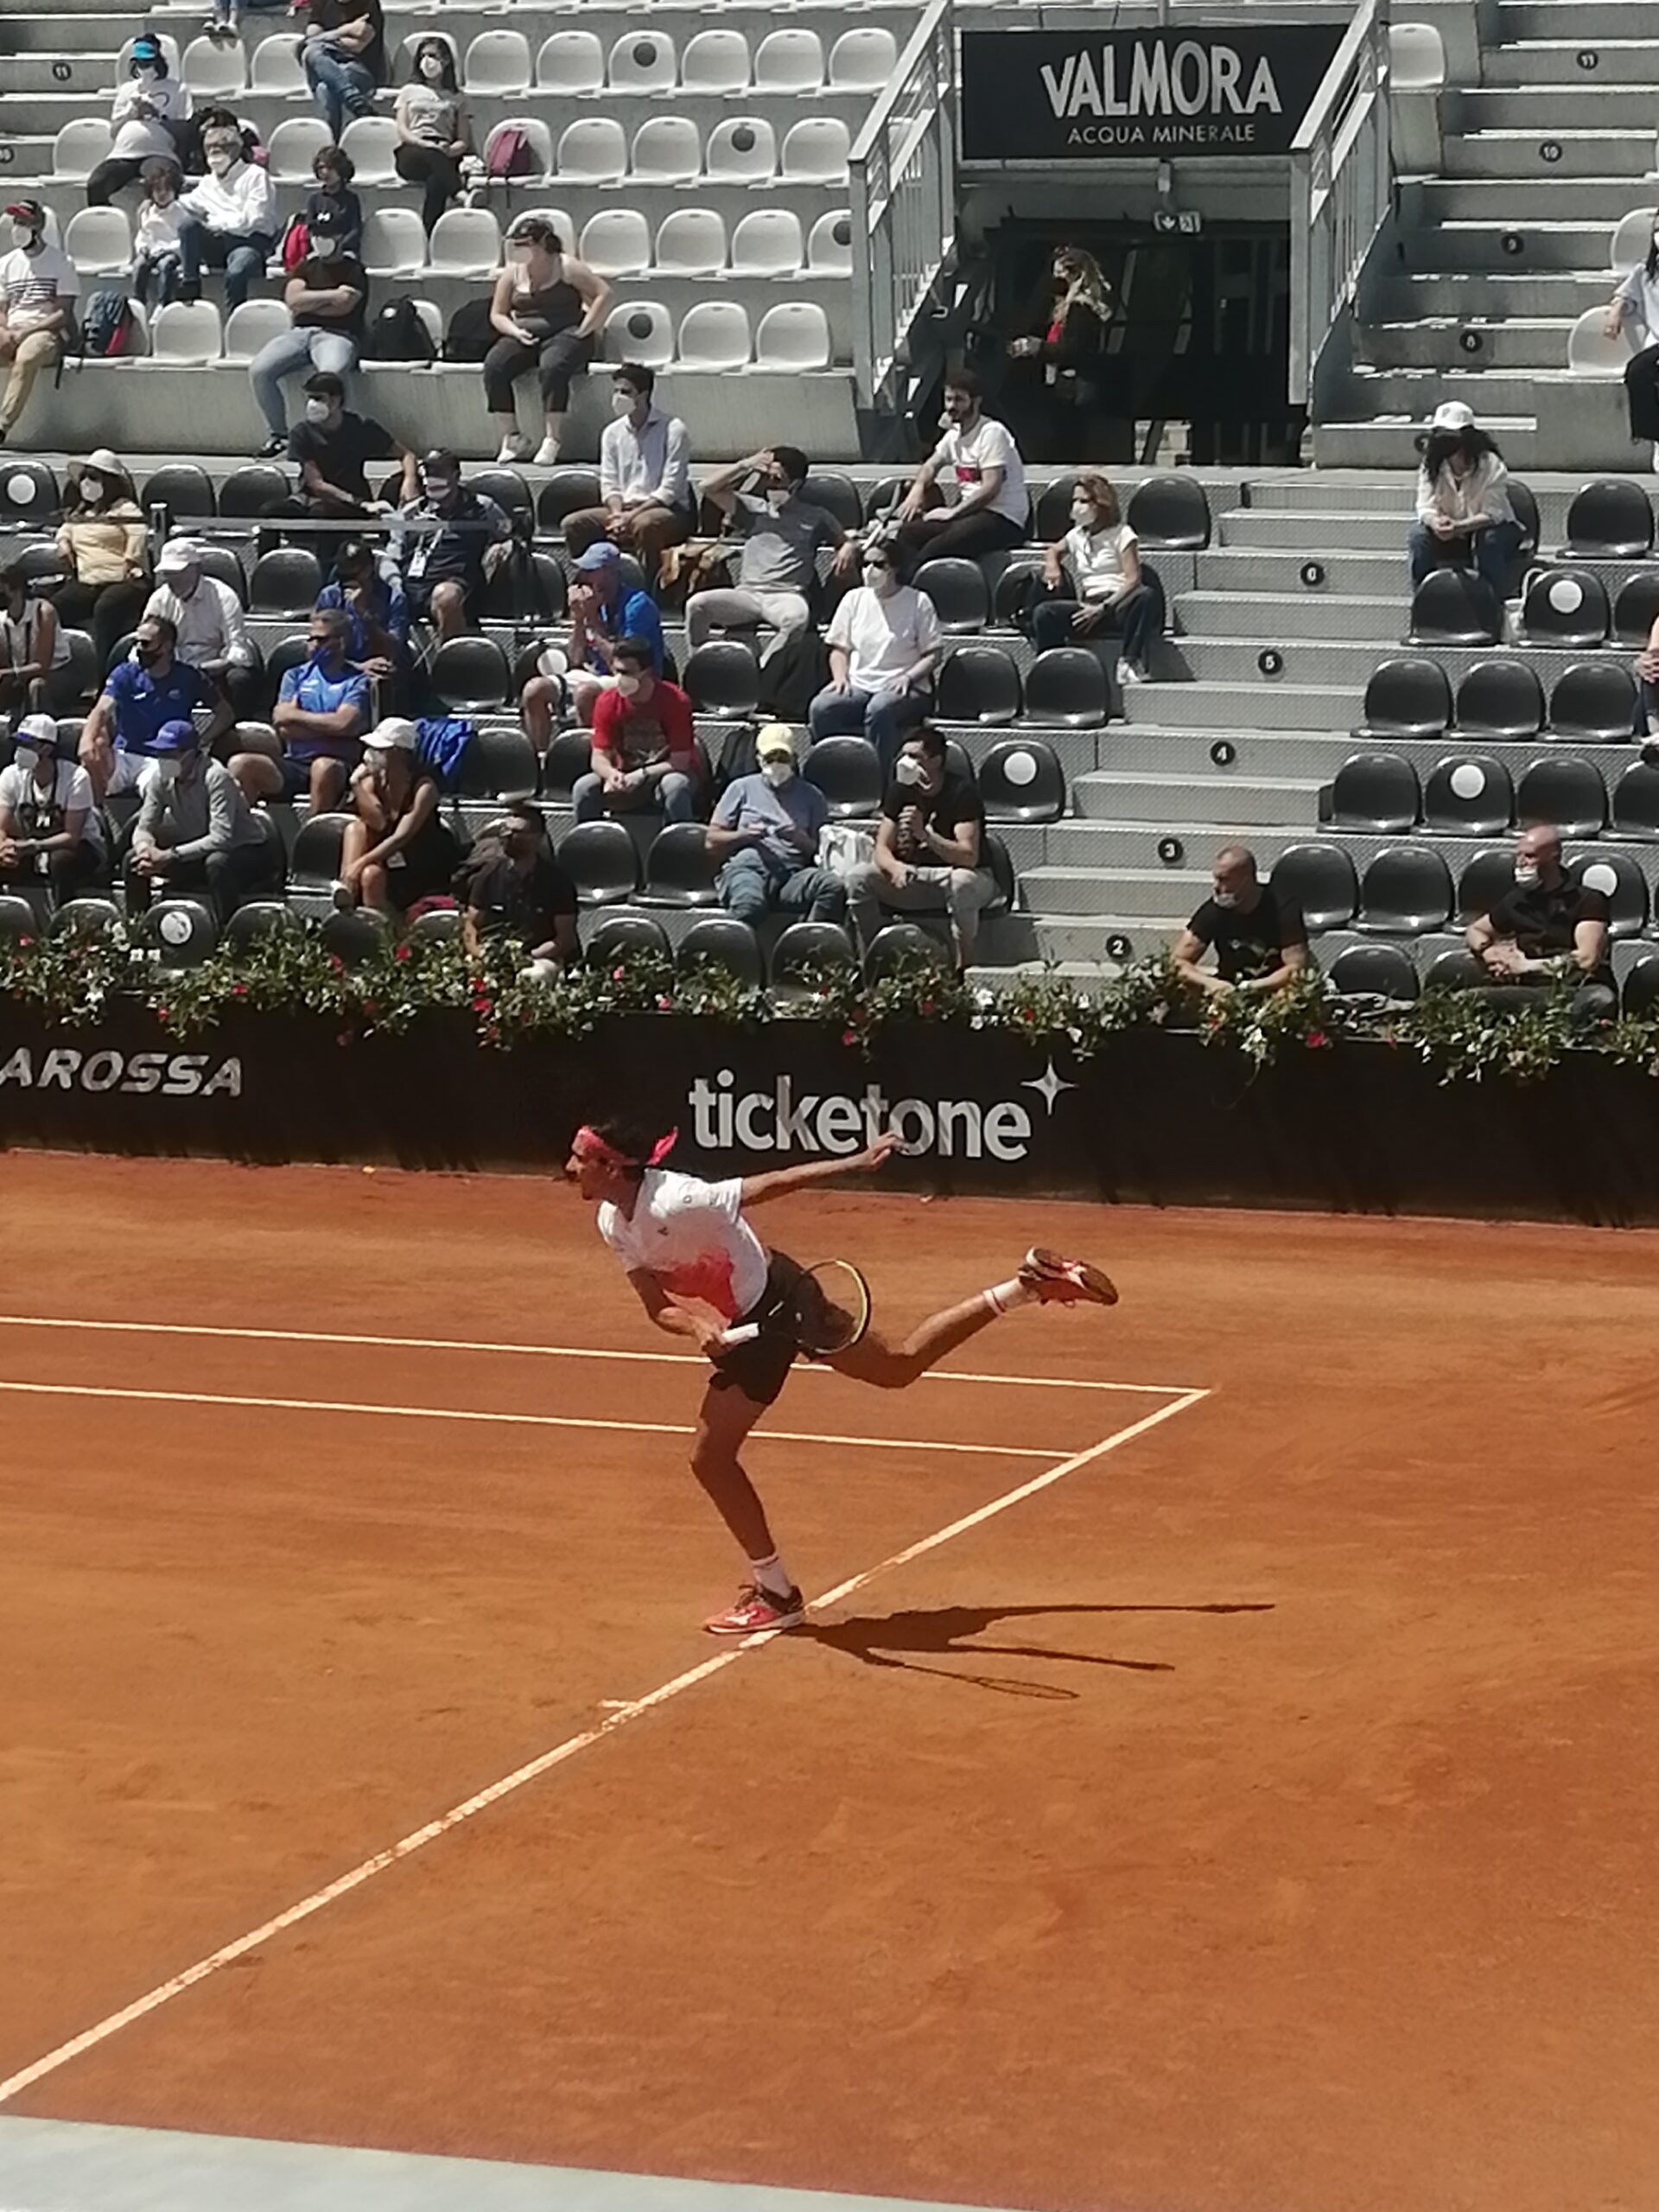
{"points": [[902, 179], [1341, 185]]}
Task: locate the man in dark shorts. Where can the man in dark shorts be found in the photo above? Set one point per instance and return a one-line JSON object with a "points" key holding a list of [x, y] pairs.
{"points": [[1550, 929], [1258, 934], [517, 888]]}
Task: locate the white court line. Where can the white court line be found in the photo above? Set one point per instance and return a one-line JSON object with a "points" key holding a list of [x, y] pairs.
{"points": [[469, 1808], [509, 1421], [537, 1352]]}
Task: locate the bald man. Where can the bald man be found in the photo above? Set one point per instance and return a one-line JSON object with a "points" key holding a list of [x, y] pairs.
{"points": [[1547, 930], [1257, 934]]}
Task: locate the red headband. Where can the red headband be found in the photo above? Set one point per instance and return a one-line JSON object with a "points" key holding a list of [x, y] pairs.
{"points": [[589, 1140]]}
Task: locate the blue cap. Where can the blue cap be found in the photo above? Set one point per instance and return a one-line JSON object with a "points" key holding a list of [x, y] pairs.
{"points": [[602, 555], [174, 737]]}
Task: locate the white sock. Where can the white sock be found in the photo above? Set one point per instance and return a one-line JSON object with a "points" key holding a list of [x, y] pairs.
{"points": [[771, 1576], [1003, 1297]]}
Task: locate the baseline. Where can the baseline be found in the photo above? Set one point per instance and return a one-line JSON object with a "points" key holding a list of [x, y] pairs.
{"points": [[618, 1717]]}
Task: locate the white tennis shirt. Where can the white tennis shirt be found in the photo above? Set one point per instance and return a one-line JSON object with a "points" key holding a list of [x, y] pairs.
{"points": [[691, 1235]]}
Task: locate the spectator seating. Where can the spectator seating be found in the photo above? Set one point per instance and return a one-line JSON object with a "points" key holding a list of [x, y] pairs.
{"points": [[1405, 892], [1322, 881], [1406, 697], [806, 950], [847, 770], [1567, 794], [722, 941], [1500, 699], [1594, 703], [979, 683], [1455, 606], [1470, 797], [1375, 791], [1566, 607], [621, 936], [1381, 971], [602, 861], [1609, 520]]}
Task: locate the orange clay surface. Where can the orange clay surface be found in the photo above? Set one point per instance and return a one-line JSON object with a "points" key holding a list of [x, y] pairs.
{"points": [[1260, 1819]]}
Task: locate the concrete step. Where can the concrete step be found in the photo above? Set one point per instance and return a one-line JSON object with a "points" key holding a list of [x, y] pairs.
{"points": [[1590, 105], [1222, 707], [1584, 23], [1305, 532], [1115, 796], [1164, 895], [1304, 616], [1072, 942], [1524, 153], [1391, 442], [1472, 294], [1440, 342], [1495, 246], [1515, 200], [1281, 573], [1509, 392], [1342, 669], [1558, 61], [1295, 758]]}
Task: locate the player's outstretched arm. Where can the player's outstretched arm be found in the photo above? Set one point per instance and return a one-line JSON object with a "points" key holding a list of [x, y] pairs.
{"points": [[757, 1189]]}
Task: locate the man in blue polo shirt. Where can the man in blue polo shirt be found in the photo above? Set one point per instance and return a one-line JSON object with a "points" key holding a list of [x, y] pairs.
{"points": [[323, 710], [139, 695], [604, 607]]}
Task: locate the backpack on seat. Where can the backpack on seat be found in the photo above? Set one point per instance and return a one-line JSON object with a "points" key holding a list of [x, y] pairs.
{"points": [[396, 334], [105, 326]]}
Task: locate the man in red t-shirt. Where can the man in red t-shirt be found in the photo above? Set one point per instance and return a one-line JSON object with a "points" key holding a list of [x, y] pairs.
{"points": [[645, 747]]}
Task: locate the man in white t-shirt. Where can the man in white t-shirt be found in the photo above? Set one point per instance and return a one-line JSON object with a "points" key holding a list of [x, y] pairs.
{"points": [[38, 290], [885, 642], [49, 831], [702, 1273], [976, 470]]}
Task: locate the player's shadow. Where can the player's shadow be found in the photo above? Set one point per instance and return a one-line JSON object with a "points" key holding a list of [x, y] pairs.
{"points": [[897, 1639]]}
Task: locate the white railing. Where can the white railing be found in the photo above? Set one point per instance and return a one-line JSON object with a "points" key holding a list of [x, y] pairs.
{"points": [[903, 179], [1341, 180]]}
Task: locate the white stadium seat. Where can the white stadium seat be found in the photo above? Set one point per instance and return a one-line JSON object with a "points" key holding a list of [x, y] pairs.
{"points": [[80, 147], [1591, 353], [789, 62], [394, 243], [816, 151], [794, 336], [571, 61], [862, 62], [667, 149], [1631, 237], [497, 61], [715, 61], [691, 241], [277, 67], [742, 151], [829, 246], [715, 336], [252, 326], [187, 332], [465, 242], [593, 150], [431, 322], [616, 242], [294, 146], [99, 241], [539, 139], [643, 61], [767, 244], [640, 330], [372, 140], [1416, 58], [215, 68]]}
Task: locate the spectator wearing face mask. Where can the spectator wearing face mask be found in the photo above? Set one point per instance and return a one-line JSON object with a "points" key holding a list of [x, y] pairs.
{"points": [[194, 830], [344, 57], [512, 886], [322, 710], [645, 476], [1099, 583], [396, 850], [103, 543], [764, 831], [369, 592], [1463, 510], [331, 447], [38, 290], [435, 130], [976, 469], [49, 827], [783, 534], [604, 607], [450, 560], [157, 269], [1256, 933], [228, 221], [326, 299], [548, 310], [929, 848], [146, 116], [645, 745], [1635, 305], [139, 697], [1547, 931], [333, 205], [210, 631], [885, 642], [34, 664]]}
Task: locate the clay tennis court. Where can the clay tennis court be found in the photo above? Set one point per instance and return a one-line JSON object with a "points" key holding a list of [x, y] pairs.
{"points": [[1257, 1812]]}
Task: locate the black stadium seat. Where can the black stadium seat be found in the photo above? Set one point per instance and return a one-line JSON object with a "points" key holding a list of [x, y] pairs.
{"points": [[1023, 780], [1609, 520], [180, 933], [498, 763], [724, 679], [1524, 501], [225, 562], [1566, 607], [1455, 969], [883, 497], [959, 591], [995, 855], [256, 919], [1377, 971], [285, 583], [182, 490], [85, 675], [88, 916], [601, 860], [1502, 700], [847, 770], [837, 494], [1472, 796], [1407, 698], [1321, 880], [1376, 791], [437, 925], [1488, 878], [806, 950], [1406, 891], [1636, 802], [314, 865], [1170, 514], [1455, 606], [1054, 509], [722, 941], [359, 936], [470, 676], [680, 870], [506, 487], [979, 683], [1594, 703], [1640, 992], [1012, 588], [1567, 794], [287, 652], [1636, 609], [1066, 688], [615, 937], [29, 492], [17, 919], [570, 755], [248, 494], [122, 649], [527, 587], [900, 943], [566, 492], [1621, 882]]}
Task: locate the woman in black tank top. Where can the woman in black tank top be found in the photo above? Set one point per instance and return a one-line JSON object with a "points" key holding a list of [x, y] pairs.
{"points": [[548, 310]]}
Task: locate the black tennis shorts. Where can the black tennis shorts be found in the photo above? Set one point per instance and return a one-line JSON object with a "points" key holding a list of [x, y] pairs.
{"points": [[761, 1367]]}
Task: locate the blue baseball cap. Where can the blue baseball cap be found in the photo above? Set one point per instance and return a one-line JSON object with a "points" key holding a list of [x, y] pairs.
{"points": [[603, 555], [175, 737]]}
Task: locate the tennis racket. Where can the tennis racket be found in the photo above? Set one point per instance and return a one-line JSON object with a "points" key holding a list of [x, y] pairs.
{"points": [[828, 1311]]}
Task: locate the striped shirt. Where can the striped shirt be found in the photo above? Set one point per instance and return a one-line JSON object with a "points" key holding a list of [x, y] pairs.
{"points": [[33, 283]]}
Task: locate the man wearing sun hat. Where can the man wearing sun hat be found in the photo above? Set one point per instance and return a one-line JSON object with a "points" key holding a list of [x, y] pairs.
{"points": [[764, 831], [38, 290], [205, 614], [195, 828]]}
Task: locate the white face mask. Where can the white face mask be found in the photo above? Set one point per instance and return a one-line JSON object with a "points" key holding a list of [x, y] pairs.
{"points": [[622, 403], [167, 771], [1225, 899], [1084, 515], [26, 758], [1526, 873], [776, 496], [91, 491], [316, 410], [220, 160], [21, 234], [432, 67], [878, 579], [519, 255], [627, 685], [907, 769], [778, 772]]}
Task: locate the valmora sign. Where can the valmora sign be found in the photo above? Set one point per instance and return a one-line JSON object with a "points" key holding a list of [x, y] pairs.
{"points": [[1099, 96]]}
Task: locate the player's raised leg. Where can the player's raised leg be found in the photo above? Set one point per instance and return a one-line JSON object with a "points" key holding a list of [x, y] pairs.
{"points": [[1045, 1278], [769, 1599]]}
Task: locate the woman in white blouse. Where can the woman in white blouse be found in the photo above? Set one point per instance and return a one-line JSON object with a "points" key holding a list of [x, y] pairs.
{"points": [[1463, 509], [1098, 584], [1636, 301]]}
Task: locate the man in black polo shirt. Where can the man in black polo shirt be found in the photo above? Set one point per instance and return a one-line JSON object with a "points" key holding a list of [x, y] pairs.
{"points": [[516, 887], [1258, 935], [333, 447], [1547, 930]]}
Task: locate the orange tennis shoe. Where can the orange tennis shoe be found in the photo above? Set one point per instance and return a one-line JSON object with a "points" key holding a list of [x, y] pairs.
{"points": [[1059, 1281], [757, 1609]]}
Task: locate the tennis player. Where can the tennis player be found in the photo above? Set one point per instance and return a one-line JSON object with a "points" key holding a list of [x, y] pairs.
{"points": [[701, 1272]]}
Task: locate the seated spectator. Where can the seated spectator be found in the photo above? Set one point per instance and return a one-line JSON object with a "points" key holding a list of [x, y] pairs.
{"points": [[604, 607], [644, 477], [1547, 930], [332, 446], [446, 565], [344, 57], [369, 592], [764, 829], [778, 569], [49, 827], [977, 466], [885, 644], [139, 695], [644, 744], [38, 291], [1647, 693], [929, 848], [34, 668], [194, 829], [1463, 509], [208, 623], [513, 886], [1636, 301], [227, 219], [157, 267], [548, 310], [144, 120], [323, 710], [333, 206], [1258, 934], [326, 299], [435, 130], [396, 850], [103, 543], [193, 139], [1099, 582]]}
